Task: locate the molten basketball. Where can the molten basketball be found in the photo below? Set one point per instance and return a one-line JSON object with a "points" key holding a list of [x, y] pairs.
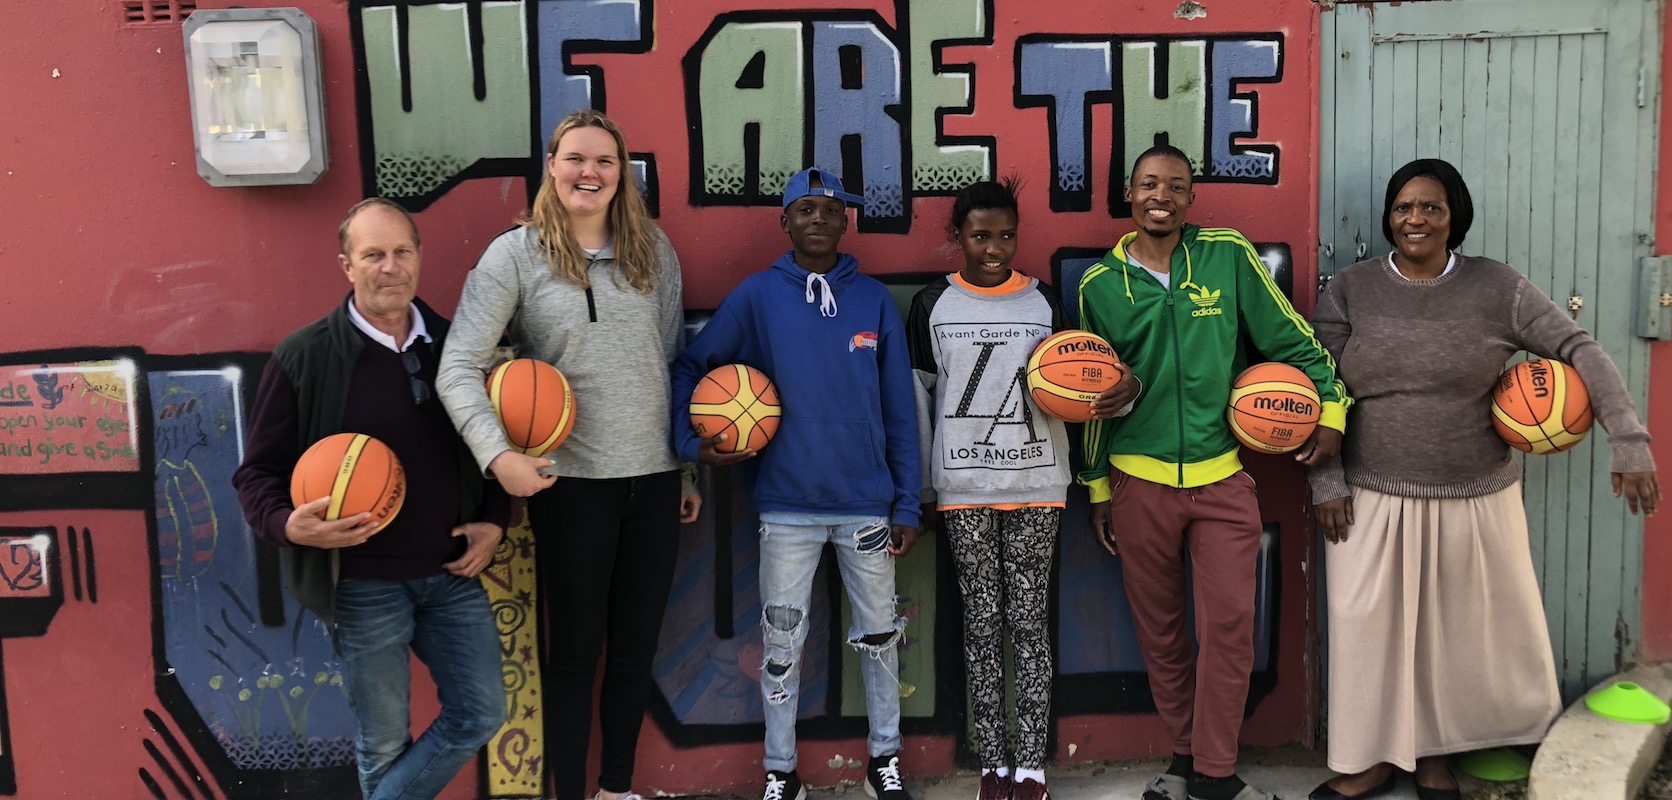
{"points": [[1070, 369], [1274, 407], [1541, 407], [738, 401], [358, 472], [534, 404]]}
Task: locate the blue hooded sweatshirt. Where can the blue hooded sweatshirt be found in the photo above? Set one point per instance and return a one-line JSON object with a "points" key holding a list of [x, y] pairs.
{"points": [[835, 347]]}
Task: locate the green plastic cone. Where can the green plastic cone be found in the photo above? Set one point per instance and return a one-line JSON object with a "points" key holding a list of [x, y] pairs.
{"points": [[1627, 702], [1495, 765]]}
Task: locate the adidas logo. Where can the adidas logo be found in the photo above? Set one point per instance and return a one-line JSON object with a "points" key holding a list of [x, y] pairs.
{"points": [[1206, 300]]}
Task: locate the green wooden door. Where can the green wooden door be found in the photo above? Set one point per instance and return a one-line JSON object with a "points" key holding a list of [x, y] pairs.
{"points": [[1547, 107]]}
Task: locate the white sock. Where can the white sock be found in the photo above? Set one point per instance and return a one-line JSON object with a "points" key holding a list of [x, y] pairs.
{"points": [[1030, 774], [1002, 772]]}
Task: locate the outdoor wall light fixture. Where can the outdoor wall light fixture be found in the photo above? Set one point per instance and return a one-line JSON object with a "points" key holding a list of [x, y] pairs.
{"points": [[258, 108]]}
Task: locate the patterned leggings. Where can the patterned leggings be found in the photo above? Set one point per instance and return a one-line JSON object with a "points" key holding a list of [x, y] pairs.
{"points": [[1004, 573]]}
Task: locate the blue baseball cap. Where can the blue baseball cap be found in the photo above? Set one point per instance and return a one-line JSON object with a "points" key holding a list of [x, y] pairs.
{"points": [[801, 185]]}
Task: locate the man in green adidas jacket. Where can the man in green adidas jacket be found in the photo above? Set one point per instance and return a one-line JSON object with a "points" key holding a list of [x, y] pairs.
{"points": [[1178, 302]]}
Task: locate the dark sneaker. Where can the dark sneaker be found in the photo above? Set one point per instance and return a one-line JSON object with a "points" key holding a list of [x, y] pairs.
{"points": [[993, 787], [1167, 786], [1030, 789], [882, 779], [784, 786]]}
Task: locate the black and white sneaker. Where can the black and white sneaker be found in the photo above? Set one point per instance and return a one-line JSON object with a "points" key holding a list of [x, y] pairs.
{"points": [[784, 786], [882, 779]]}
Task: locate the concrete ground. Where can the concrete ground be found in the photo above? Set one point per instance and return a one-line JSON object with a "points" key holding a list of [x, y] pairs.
{"points": [[1290, 773], [1584, 757]]}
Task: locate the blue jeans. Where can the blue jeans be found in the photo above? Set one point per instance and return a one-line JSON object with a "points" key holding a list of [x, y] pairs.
{"points": [[447, 621], [789, 556]]}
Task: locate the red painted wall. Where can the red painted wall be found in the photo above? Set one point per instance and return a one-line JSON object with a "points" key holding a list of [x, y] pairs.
{"points": [[108, 217], [1657, 532]]}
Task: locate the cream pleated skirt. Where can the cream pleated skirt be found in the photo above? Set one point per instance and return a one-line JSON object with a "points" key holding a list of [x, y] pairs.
{"points": [[1437, 638]]}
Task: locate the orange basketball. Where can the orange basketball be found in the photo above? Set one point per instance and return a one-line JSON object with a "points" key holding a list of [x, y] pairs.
{"points": [[534, 404], [738, 401], [358, 472], [1274, 407], [1541, 407], [1070, 369]]}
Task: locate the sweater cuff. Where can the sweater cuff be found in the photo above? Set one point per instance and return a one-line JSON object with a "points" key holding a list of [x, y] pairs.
{"points": [[1328, 481], [909, 517], [274, 529], [1334, 416], [1630, 455], [1099, 489]]}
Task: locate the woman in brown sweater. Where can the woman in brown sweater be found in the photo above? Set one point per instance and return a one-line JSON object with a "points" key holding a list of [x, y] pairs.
{"points": [[1438, 641]]}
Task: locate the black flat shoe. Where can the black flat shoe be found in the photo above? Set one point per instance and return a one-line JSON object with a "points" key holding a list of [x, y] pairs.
{"points": [[1431, 793], [1324, 792]]}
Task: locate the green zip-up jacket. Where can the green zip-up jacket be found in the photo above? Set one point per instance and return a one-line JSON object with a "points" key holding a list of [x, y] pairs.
{"points": [[1187, 342]]}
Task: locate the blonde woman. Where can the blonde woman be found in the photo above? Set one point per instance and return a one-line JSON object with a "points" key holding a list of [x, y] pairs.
{"points": [[590, 284]]}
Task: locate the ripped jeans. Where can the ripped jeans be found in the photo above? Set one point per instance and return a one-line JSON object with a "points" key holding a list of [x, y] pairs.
{"points": [[789, 556]]}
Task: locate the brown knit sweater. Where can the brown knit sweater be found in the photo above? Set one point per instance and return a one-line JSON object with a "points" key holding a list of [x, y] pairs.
{"points": [[1421, 358]]}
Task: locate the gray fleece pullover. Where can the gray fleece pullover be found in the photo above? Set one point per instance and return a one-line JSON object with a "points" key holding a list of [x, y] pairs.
{"points": [[611, 341], [1421, 359]]}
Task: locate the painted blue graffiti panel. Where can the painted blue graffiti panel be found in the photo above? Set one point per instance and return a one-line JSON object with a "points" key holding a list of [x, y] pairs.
{"points": [[271, 696], [856, 75], [565, 88], [709, 680], [1065, 76], [1234, 61]]}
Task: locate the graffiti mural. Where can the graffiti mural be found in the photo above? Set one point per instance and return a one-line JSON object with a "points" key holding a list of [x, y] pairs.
{"points": [[30, 595], [65, 418], [255, 668], [1182, 90], [871, 93], [516, 756]]}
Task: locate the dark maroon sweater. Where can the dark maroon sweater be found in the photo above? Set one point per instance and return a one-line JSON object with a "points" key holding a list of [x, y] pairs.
{"points": [[380, 405]]}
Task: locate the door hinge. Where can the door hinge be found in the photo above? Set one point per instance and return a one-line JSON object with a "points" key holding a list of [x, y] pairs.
{"points": [[1654, 298]]}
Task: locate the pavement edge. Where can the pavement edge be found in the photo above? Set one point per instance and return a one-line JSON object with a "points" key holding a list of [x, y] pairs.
{"points": [[1587, 757]]}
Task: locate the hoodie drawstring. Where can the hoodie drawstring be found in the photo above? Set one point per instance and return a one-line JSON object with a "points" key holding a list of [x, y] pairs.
{"points": [[827, 303]]}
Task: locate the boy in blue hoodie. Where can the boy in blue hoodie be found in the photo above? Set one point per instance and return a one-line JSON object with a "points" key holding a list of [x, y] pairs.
{"points": [[843, 468]]}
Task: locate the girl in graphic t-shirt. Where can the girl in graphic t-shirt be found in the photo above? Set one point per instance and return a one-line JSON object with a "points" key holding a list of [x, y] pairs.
{"points": [[996, 472]]}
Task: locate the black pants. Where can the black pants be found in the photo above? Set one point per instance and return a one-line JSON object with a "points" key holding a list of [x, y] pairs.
{"points": [[604, 552]]}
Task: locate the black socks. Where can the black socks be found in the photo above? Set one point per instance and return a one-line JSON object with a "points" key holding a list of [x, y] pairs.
{"points": [[1182, 762], [1209, 788]]}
